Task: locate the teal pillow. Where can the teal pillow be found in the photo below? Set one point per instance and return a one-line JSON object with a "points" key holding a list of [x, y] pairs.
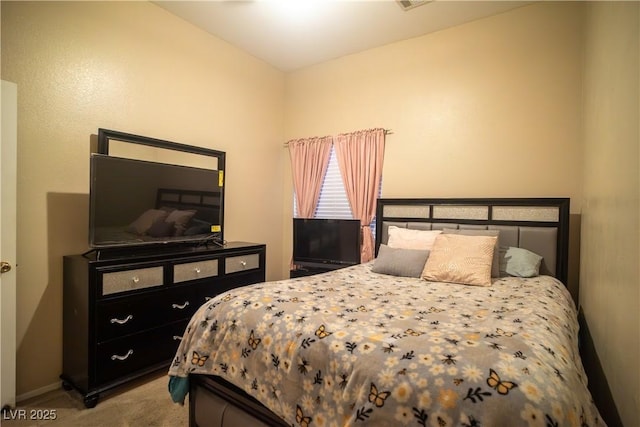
{"points": [[519, 262], [400, 262]]}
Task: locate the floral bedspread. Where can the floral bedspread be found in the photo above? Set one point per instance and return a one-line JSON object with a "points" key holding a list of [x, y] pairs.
{"points": [[353, 347]]}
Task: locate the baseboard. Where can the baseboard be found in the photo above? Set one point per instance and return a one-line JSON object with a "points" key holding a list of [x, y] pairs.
{"points": [[598, 385], [39, 391]]}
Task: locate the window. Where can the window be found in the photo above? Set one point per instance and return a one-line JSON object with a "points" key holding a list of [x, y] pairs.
{"points": [[333, 201]]}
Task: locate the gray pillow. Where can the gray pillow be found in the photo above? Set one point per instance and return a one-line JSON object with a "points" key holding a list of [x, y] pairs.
{"points": [[519, 262], [197, 227], [400, 262], [495, 264]]}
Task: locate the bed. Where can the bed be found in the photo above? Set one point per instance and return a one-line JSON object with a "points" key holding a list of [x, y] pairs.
{"points": [[177, 215], [374, 345]]}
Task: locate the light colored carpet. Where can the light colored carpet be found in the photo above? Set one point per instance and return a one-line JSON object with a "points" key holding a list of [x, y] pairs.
{"points": [[141, 404]]}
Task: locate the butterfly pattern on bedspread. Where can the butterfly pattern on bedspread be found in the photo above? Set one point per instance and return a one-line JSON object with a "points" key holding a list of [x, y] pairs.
{"points": [[353, 347]]}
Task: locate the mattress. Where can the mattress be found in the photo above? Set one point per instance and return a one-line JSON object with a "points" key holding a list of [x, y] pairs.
{"points": [[354, 347]]}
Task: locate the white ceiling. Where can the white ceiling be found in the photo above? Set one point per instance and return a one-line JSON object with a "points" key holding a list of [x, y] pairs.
{"points": [[291, 34]]}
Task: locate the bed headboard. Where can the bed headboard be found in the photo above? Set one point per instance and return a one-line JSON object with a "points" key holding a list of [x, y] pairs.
{"points": [[540, 225], [205, 203]]}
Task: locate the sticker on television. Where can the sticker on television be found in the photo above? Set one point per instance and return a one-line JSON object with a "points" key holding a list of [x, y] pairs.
{"points": [[216, 228]]}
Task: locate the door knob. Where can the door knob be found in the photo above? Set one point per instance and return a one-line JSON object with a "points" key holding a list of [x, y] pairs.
{"points": [[5, 267]]}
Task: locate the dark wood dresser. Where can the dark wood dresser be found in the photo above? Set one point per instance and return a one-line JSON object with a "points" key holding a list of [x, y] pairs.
{"points": [[124, 313]]}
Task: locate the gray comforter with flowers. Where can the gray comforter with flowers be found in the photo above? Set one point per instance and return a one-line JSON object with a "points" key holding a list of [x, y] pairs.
{"points": [[353, 347]]}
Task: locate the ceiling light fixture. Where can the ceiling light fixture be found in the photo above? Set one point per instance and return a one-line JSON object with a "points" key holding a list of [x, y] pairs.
{"points": [[410, 4], [296, 10]]}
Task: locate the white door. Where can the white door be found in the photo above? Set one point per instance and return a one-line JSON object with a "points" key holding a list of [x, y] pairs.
{"points": [[8, 163]]}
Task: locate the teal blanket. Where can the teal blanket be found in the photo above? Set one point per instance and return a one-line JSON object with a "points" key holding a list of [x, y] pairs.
{"points": [[178, 388]]}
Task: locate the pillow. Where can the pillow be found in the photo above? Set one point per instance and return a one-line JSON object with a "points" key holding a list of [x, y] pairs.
{"points": [[144, 221], [457, 258], [519, 262], [198, 227], [495, 264], [161, 228], [405, 238], [180, 219], [400, 262]]}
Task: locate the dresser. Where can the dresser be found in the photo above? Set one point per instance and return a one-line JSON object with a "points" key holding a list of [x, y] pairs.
{"points": [[125, 313]]}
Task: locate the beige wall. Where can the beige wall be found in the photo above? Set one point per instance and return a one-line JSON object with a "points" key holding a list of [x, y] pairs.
{"points": [[610, 276], [486, 109], [489, 108], [500, 96], [132, 67]]}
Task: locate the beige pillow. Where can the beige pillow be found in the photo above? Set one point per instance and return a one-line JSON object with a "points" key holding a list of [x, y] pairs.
{"points": [[458, 258], [495, 265], [180, 219], [405, 238], [144, 222]]}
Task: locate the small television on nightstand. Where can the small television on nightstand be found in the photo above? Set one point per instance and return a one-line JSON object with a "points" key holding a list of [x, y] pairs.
{"points": [[325, 244]]}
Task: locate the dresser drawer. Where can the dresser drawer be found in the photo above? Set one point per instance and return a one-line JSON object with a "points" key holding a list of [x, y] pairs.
{"points": [[128, 280], [195, 270], [124, 356], [241, 263], [136, 313]]}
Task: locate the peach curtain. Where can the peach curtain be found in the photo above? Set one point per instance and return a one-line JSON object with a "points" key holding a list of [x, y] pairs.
{"points": [[309, 161], [360, 156]]}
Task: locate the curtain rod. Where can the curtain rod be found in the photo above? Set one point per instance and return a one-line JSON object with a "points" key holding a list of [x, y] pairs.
{"points": [[386, 132]]}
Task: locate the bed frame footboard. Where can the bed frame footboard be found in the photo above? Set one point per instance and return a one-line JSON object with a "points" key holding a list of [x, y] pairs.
{"points": [[214, 402]]}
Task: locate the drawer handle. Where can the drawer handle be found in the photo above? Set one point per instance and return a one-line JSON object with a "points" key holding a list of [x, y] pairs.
{"points": [[180, 306], [121, 321], [243, 263], [197, 270], [135, 279], [126, 356], [177, 338]]}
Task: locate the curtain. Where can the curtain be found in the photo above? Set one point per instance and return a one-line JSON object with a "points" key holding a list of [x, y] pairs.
{"points": [[309, 160], [360, 155]]}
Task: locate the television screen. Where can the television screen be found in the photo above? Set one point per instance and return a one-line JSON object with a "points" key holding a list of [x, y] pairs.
{"points": [[326, 242], [138, 202]]}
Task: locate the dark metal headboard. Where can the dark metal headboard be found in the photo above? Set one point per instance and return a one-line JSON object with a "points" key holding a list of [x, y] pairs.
{"points": [[532, 223], [205, 203]]}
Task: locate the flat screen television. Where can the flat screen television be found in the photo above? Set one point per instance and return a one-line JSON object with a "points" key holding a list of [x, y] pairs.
{"points": [[139, 202], [326, 243]]}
